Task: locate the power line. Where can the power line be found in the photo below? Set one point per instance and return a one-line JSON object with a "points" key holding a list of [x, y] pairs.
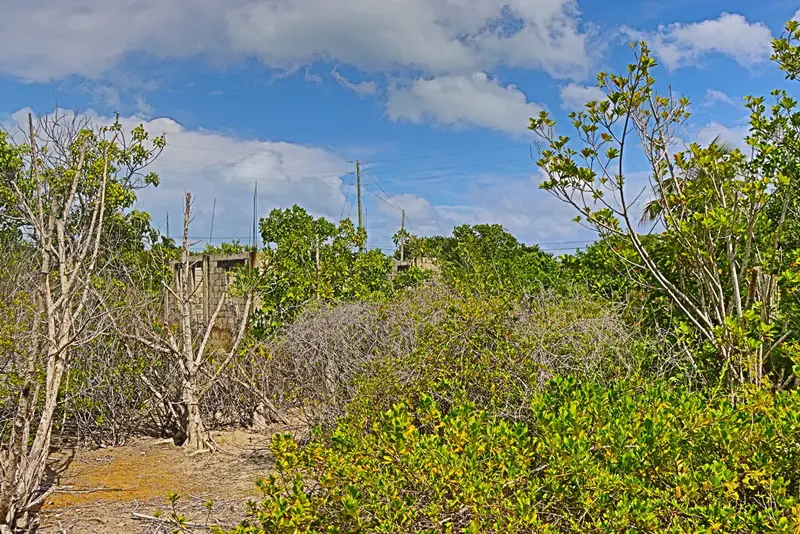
{"points": [[436, 177], [265, 167], [267, 150], [387, 202], [469, 165], [450, 154], [388, 196], [493, 165], [239, 165]]}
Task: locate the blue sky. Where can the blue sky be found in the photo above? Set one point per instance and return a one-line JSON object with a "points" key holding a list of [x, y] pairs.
{"points": [[433, 95]]}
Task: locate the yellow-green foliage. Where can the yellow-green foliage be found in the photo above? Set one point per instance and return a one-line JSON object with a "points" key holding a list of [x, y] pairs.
{"points": [[624, 457], [496, 354]]}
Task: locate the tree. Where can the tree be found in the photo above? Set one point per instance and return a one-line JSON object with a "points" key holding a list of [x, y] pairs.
{"points": [[312, 259], [487, 258], [234, 247], [59, 190], [719, 247], [654, 209], [187, 342]]}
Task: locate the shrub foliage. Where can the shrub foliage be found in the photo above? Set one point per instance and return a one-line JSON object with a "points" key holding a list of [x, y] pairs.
{"points": [[626, 457]]}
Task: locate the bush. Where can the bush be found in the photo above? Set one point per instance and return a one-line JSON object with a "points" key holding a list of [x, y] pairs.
{"points": [[315, 362], [596, 457], [498, 354], [361, 357]]}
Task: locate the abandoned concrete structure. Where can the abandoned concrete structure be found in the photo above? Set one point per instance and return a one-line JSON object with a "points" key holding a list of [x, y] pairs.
{"points": [[210, 278], [428, 264]]}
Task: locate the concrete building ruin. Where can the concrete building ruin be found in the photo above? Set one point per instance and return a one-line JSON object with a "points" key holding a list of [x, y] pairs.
{"points": [[210, 278], [427, 264]]}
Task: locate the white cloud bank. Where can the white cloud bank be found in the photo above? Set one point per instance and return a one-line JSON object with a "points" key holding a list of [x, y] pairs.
{"points": [[683, 44], [42, 40], [213, 165], [463, 101]]}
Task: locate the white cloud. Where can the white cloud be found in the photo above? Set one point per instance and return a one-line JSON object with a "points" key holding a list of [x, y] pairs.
{"points": [[51, 39], [143, 106], [574, 96], [311, 77], [214, 165], [463, 101], [682, 44], [796, 15], [714, 96], [362, 88], [529, 213], [732, 136]]}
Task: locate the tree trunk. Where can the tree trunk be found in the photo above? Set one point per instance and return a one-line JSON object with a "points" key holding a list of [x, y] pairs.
{"points": [[22, 496], [195, 431]]}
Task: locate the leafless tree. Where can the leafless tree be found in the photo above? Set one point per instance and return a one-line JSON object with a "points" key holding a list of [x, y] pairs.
{"points": [[189, 344], [67, 179]]}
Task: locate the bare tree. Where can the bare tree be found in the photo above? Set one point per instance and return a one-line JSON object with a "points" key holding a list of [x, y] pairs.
{"points": [[189, 343], [63, 185]]}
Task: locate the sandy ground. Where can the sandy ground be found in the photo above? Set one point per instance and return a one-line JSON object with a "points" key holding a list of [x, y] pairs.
{"points": [[99, 490]]}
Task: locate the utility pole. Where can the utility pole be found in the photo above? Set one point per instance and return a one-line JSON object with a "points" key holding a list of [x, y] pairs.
{"points": [[358, 188], [211, 231], [402, 235], [358, 192], [167, 225], [255, 210]]}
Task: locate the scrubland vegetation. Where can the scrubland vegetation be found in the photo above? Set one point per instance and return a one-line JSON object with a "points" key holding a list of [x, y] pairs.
{"points": [[645, 384]]}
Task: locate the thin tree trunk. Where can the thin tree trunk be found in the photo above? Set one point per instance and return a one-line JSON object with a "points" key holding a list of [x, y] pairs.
{"points": [[196, 434]]}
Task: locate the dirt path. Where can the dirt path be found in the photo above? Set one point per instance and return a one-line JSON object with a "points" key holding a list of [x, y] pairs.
{"points": [[100, 489]]}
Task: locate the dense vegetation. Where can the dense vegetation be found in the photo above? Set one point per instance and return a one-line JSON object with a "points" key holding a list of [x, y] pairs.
{"points": [[645, 384]]}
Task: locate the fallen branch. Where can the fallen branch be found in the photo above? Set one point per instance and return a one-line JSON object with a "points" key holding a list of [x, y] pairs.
{"points": [[66, 489]]}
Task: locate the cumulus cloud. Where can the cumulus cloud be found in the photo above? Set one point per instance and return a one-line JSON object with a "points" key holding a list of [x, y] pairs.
{"points": [[574, 96], [682, 44], [212, 165], [530, 214], [463, 101], [50, 39], [362, 88]]}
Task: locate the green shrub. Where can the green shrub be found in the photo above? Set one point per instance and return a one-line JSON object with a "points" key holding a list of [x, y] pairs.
{"points": [[621, 457], [498, 354]]}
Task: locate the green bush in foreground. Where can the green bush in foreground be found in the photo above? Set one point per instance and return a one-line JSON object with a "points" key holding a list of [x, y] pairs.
{"points": [[596, 458]]}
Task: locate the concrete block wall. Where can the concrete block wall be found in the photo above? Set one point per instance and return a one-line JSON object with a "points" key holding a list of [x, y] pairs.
{"points": [[210, 280], [428, 264]]}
